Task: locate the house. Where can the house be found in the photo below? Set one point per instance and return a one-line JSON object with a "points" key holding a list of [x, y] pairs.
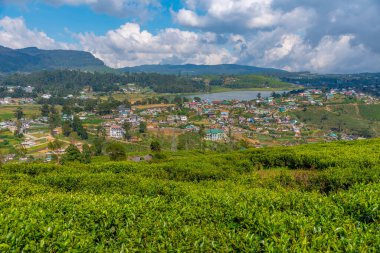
{"points": [[215, 135], [183, 118], [116, 132], [29, 89], [46, 96], [66, 117], [224, 114]]}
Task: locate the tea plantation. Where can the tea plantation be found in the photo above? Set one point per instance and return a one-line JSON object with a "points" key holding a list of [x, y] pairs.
{"points": [[313, 198]]}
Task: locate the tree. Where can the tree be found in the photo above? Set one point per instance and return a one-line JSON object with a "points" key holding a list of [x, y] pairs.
{"points": [[127, 103], [101, 132], [202, 132], [155, 146], [55, 145], [72, 154], [19, 130], [127, 128], [66, 129], [178, 100], [45, 110], [116, 151], [86, 153], [78, 127], [197, 99], [21, 151], [19, 113], [67, 109], [142, 127], [98, 144]]}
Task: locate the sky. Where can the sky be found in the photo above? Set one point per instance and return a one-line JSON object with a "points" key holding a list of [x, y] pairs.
{"points": [[322, 36]]}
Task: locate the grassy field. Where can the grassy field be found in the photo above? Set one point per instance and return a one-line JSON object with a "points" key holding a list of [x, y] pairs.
{"points": [[256, 81], [350, 118], [7, 111], [314, 198], [370, 112]]}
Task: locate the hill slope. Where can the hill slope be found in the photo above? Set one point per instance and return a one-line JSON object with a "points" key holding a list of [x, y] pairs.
{"points": [[191, 69], [34, 59], [324, 198]]}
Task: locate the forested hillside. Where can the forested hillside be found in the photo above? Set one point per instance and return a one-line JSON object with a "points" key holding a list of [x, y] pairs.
{"points": [[72, 81], [313, 198], [34, 59]]}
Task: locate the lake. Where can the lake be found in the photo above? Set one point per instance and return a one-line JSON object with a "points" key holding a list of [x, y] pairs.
{"points": [[234, 95]]}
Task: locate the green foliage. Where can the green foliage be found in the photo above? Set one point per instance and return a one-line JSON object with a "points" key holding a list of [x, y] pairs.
{"points": [[155, 146], [370, 112], [116, 151], [45, 110], [312, 198], [86, 153], [250, 81], [19, 113], [142, 127], [72, 154]]}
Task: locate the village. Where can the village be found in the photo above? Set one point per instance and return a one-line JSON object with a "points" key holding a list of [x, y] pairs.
{"points": [[260, 122]]}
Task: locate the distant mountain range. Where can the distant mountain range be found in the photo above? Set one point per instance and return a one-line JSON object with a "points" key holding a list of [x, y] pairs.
{"points": [[33, 59], [191, 69]]}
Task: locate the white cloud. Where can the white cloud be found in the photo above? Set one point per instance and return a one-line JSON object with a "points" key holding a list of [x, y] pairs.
{"points": [[130, 46], [15, 34], [238, 15]]}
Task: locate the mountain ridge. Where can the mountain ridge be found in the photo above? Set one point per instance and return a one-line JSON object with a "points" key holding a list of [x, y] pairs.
{"points": [[194, 69], [32, 59]]}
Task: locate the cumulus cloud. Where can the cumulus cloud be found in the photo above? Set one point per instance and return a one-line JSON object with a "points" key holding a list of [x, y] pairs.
{"points": [[130, 46], [15, 34], [321, 36]]}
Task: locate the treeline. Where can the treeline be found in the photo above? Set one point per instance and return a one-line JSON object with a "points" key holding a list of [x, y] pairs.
{"points": [[63, 82]]}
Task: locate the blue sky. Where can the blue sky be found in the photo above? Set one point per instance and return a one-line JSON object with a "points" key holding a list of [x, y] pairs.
{"points": [[339, 36]]}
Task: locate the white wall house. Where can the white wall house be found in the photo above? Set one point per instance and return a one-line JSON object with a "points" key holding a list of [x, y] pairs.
{"points": [[215, 135], [116, 132]]}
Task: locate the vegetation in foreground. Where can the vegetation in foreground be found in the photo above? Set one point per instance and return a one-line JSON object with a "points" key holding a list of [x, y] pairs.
{"points": [[322, 197]]}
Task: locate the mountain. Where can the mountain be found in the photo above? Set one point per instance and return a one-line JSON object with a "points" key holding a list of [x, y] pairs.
{"points": [[34, 59], [191, 69]]}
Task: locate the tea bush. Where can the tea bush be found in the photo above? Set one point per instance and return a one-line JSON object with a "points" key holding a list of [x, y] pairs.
{"points": [[313, 198]]}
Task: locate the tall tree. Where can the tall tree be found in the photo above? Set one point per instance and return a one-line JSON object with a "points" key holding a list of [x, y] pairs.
{"points": [[86, 153], [142, 127], [45, 110], [127, 128], [19, 113], [72, 154]]}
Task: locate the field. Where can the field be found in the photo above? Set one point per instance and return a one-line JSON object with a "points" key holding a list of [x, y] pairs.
{"points": [[350, 118], [313, 198], [370, 112], [7, 111], [257, 81]]}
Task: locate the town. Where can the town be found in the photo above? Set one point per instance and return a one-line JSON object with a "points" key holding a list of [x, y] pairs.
{"points": [[36, 129]]}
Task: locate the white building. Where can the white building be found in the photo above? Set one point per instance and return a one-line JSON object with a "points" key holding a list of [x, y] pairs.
{"points": [[183, 118], [215, 135], [116, 132]]}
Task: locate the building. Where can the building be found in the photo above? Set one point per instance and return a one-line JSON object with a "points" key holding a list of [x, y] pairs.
{"points": [[215, 135], [116, 132], [29, 89]]}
